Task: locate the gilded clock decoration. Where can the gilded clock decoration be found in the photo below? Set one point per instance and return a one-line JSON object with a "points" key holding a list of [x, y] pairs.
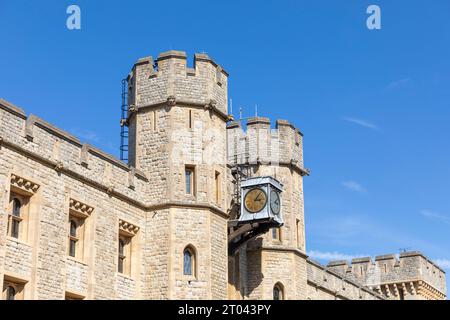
{"points": [[255, 200]]}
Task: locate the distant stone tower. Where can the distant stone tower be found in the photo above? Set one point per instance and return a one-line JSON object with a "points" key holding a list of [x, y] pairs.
{"points": [[410, 276], [275, 263], [177, 137]]}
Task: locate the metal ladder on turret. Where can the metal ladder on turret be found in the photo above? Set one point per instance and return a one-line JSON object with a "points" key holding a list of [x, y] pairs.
{"points": [[124, 122]]}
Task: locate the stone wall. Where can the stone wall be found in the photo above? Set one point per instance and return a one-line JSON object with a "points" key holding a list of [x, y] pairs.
{"points": [[410, 273], [64, 169], [326, 284]]}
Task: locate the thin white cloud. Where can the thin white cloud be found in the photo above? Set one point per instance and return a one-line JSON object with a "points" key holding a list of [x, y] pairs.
{"points": [[329, 256], [398, 83], [443, 263], [353, 186], [435, 216], [361, 122]]}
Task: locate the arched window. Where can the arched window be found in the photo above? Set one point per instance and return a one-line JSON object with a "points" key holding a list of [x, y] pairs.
{"points": [[10, 293], [278, 292], [15, 218], [73, 238], [189, 262]]}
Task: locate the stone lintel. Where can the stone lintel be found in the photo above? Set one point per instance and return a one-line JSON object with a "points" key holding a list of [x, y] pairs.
{"points": [[385, 257], [258, 120], [234, 125], [362, 260], [172, 54], [337, 263]]}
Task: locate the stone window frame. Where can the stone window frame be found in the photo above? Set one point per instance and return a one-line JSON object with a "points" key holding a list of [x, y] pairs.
{"points": [[23, 190], [16, 284], [190, 119], [126, 265], [298, 229], [281, 291], [17, 220], [192, 180], [155, 121], [217, 187], [277, 235], [191, 249], [79, 213]]}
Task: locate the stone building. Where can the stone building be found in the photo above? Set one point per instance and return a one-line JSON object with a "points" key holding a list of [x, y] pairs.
{"points": [[77, 223]]}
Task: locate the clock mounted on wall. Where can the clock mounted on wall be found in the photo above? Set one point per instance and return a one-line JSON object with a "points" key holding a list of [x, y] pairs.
{"points": [[261, 200]]}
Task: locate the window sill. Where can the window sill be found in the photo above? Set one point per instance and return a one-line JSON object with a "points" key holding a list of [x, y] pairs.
{"points": [[77, 261], [125, 276], [12, 239], [189, 279]]}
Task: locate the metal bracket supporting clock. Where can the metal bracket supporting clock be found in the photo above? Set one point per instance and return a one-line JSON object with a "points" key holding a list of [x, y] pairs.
{"points": [[261, 200]]}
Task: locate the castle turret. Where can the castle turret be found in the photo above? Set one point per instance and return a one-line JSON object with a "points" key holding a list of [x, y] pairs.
{"points": [[274, 263], [177, 137]]}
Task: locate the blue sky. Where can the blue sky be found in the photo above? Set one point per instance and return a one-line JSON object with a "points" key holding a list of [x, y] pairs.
{"points": [[374, 105]]}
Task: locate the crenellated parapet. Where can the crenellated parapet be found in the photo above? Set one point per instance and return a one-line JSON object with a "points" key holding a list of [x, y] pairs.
{"points": [[325, 281], [410, 274], [169, 81], [63, 153], [262, 144]]}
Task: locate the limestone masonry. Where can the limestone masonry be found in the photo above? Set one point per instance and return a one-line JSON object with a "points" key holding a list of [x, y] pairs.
{"points": [[76, 223]]}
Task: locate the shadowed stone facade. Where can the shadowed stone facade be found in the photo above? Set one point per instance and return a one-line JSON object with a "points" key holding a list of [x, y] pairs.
{"points": [[76, 223]]}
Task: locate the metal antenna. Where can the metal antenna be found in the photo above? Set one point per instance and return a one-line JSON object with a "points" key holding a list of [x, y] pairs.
{"points": [[240, 113], [256, 110]]}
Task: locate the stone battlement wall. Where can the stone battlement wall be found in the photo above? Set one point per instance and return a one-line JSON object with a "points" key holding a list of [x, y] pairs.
{"points": [[54, 147], [387, 269], [326, 284], [260, 144], [154, 82]]}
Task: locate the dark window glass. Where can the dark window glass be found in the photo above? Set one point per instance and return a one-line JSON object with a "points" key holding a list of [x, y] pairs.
{"points": [[72, 249], [277, 293], [188, 181], [121, 255], [15, 228], [17, 206], [73, 228], [10, 293], [188, 263], [121, 247], [73, 238]]}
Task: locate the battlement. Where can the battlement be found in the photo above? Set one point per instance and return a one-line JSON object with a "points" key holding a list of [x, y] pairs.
{"points": [[168, 78], [340, 285], [408, 267], [260, 144], [62, 152]]}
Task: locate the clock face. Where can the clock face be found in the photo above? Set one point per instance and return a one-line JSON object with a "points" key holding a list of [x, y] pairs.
{"points": [[275, 202], [255, 200]]}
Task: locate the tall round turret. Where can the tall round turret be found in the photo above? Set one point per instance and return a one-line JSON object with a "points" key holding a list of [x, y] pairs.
{"points": [[177, 137]]}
